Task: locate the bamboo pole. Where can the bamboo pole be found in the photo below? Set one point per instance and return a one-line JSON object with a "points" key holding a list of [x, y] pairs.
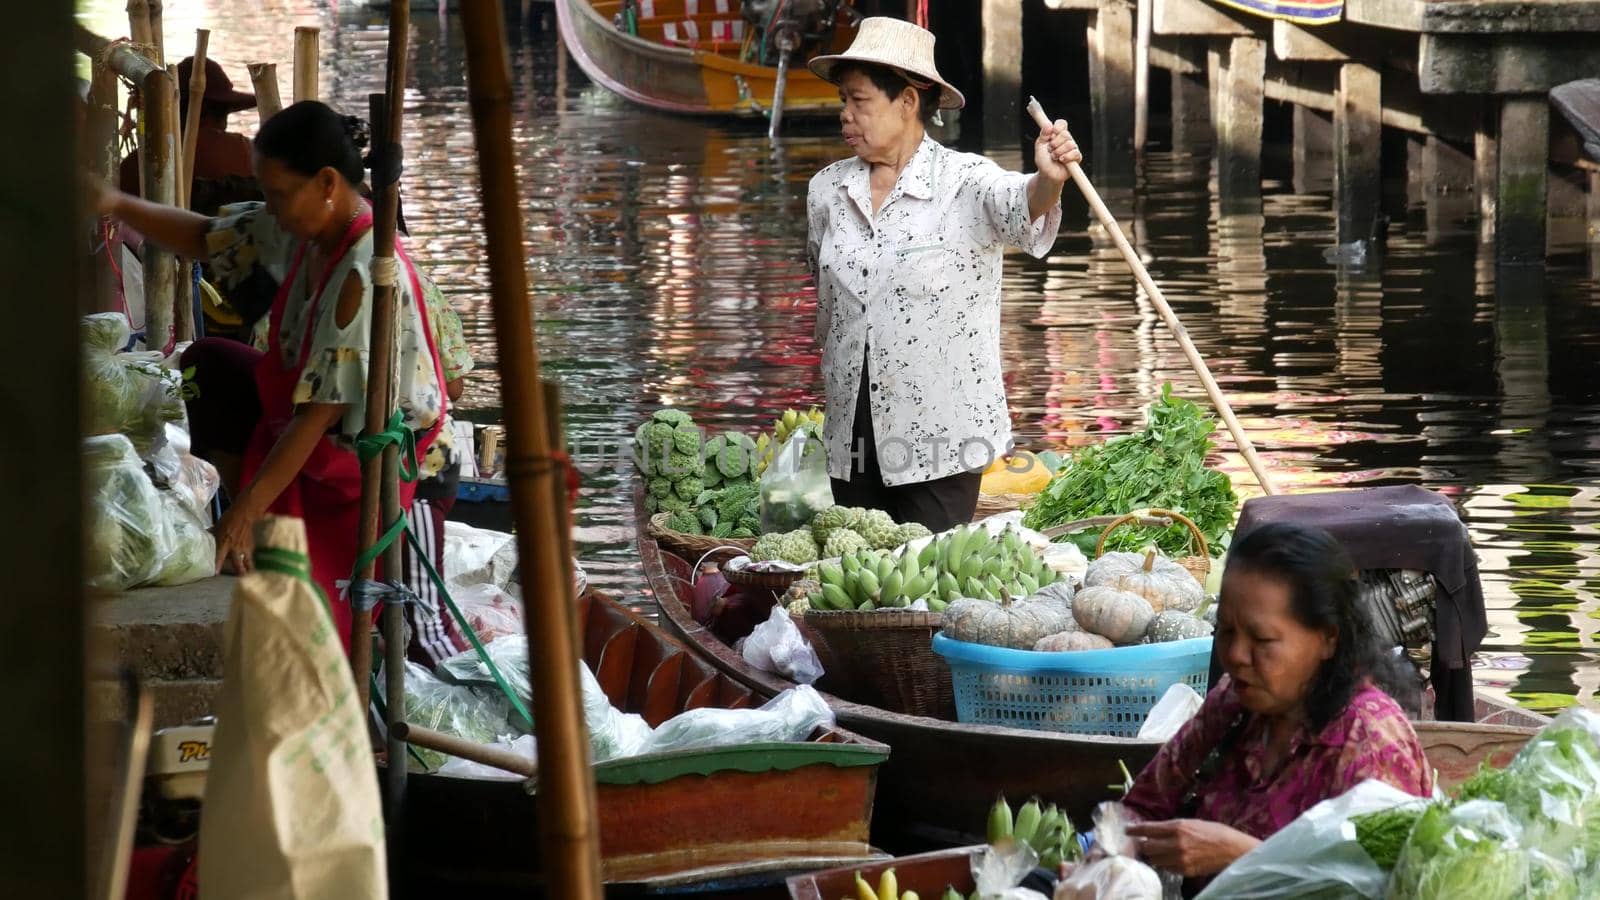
{"points": [[103, 161], [305, 62], [380, 477], [182, 297], [1141, 78], [1142, 275], [264, 78], [197, 92], [569, 839], [139, 22], [504, 760], [158, 158], [157, 36]]}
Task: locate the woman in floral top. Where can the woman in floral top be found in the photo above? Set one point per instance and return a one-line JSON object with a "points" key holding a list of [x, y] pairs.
{"points": [[1306, 712], [906, 241], [305, 384]]}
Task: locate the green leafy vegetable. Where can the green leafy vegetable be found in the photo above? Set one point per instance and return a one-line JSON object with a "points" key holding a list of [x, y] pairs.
{"points": [[1162, 466], [1383, 833], [1455, 852]]}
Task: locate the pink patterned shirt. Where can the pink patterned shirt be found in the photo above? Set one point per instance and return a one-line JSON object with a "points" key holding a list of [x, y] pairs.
{"points": [[1371, 739]]}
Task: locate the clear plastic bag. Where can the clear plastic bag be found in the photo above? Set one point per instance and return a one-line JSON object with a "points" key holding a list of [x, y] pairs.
{"points": [[193, 553], [454, 709], [1175, 708], [1469, 850], [790, 717], [1111, 875], [131, 394], [490, 612], [1552, 790], [477, 556], [795, 486], [777, 646], [613, 734], [129, 536], [172, 467], [1316, 855]]}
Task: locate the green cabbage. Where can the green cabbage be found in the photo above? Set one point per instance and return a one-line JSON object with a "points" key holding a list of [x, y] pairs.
{"points": [[131, 394], [127, 533], [193, 554], [1457, 852]]}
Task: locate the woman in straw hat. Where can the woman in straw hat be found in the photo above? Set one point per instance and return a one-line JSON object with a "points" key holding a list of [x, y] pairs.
{"points": [[905, 241]]}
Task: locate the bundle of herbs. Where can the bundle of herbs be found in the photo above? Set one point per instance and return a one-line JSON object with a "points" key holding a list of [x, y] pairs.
{"points": [[1163, 466]]}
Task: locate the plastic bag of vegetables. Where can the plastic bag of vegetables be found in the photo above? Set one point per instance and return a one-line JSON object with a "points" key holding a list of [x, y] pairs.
{"points": [[454, 709], [129, 537], [795, 486], [193, 551], [1476, 850], [127, 393]]}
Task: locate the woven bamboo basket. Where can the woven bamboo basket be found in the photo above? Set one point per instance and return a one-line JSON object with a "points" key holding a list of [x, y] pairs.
{"points": [[695, 547], [885, 658], [1198, 564], [995, 504], [777, 582]]}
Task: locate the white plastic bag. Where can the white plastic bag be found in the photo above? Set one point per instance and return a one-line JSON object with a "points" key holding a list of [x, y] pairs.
{"points": [[490, 612], [613, 734], [465, 768], [777, 646], [1317, 851], [795, 486], [789, 717], [128, 535], [1175, 708], [477, 556], [1112, 876], [997, 873]]}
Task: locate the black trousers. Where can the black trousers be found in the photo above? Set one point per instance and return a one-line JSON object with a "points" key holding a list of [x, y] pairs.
{"points": [[940, 504]]}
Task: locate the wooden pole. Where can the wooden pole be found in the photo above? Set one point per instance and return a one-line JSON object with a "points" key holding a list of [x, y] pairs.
{"points": [[139, 22], [157, 38], [103, 162], [52, 777], [197, 91], [569, 838], [504, 760], [1142, 275], [158, 157], [1141, 78], [264, 77], [182, 297], [305, 64]]}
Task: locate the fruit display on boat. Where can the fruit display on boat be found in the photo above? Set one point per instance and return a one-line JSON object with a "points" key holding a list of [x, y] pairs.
{"points": [[766, 444], [708, 487], [965, 563], [1020, 472], [1159, 580]]}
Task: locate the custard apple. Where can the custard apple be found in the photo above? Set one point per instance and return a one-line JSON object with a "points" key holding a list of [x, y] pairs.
{"points": [[843, 541], [912, 531], [880, 530], [830, 520], [798, 547], [767, 547]]}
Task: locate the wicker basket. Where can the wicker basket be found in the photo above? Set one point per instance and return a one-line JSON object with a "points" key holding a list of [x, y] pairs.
{"points": [[995, 504], [1199, 564], [695, 547], [885, 658], [777, 582]]}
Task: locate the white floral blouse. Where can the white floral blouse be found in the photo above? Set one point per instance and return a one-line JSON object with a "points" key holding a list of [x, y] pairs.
{"points": [[919, 283], [244, 240]]}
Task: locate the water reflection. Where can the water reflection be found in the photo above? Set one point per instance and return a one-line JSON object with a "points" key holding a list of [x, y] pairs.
{"points": [[667, 261]]}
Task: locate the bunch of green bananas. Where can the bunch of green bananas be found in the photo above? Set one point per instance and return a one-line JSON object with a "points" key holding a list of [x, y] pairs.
{"points": [[1044, 828], [967, 562], [793, 420]]}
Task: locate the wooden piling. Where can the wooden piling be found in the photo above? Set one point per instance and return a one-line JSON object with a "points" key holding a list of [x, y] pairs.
{"points": [[306, 39], [1191, 104], [264, 78], [1357, 146], [1002, 71], [1111, 83], [1521, 182], [1141, 78], [1312, 150], [1241, 96]]}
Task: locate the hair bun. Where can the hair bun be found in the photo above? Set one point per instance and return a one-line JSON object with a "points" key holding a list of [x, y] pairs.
{"points": [[357, 130]]}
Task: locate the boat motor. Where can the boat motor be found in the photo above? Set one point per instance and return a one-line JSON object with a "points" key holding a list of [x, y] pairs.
{"points": [[795, 29]]}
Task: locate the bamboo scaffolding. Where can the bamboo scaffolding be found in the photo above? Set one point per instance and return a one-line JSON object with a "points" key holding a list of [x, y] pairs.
{"points": [[569, 839], [305, 62], [157, 37], [104, 161], [504, 760], [181, 299], [139, 22], [264, 78], [1240, 439]]}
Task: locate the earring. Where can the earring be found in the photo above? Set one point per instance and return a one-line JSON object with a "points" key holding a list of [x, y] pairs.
{"points": [[328, 203]]}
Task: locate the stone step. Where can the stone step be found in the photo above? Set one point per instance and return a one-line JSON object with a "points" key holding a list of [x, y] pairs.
{"points": [[176, 702], [166, 634]]}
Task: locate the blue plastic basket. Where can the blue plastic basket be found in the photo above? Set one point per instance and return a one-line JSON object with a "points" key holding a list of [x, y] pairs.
{"points": [[1081, 691]]}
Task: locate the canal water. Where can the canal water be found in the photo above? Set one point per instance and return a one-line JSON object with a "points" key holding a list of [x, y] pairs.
{"points": [[667, 261]]}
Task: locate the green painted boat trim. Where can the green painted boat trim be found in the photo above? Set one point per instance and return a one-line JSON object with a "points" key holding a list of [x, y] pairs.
{"points": [[654, 768]]}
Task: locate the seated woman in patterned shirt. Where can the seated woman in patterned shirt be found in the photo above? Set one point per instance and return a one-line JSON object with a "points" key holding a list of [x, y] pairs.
{"points": [[1307, 710]]}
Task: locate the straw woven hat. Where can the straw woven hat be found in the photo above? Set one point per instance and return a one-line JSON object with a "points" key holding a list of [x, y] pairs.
{"points": [[898, 44]]}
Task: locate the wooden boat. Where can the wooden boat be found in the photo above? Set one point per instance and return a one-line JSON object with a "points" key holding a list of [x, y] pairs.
{"points": [[686, 63], [729, 817], [926, 873], [972, 764]]}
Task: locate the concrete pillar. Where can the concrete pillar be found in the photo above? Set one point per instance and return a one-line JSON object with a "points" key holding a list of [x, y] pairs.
{"points": [[1240, 98], [1002, 71], [1110, 36], [1357, 143], [1416, 185], [1445, 176], [1521, 183], [1486, 167], [1567, 221], [1313, 151], [1191, 102]]}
